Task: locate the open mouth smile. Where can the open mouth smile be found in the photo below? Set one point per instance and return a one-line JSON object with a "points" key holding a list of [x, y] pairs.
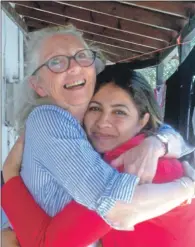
{"points": [[75, 84]]}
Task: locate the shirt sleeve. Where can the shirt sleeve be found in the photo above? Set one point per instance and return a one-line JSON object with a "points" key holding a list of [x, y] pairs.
{"points": [[165, 128], [34, 228], [60, 144]]}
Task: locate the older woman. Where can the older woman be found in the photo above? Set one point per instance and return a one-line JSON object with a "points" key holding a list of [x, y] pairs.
{"points": [[57, 153]]}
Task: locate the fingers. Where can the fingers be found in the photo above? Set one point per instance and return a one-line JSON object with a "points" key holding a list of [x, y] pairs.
{"points": [[118, 161], [145, 180], [146, 177]]}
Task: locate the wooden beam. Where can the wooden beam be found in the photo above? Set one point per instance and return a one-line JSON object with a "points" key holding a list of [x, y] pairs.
{"points": [[180, 9], [90, 37], [131, 13], [106, 43], [135, 11], [109, 51], [13, 15], [86, 27], [152, 18], [106, 11], [94, 19], [113, 53], [101, 41], [34, 22], [109, 41]]}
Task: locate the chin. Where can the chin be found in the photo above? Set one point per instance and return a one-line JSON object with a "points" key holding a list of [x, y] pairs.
{"points": [[101, 149]]}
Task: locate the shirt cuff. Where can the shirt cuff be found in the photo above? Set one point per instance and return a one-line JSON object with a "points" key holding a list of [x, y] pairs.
{"points": [[120, 188]]}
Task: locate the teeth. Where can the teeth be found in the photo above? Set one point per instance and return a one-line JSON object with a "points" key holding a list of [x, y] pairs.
{"points": [[74, 84]]}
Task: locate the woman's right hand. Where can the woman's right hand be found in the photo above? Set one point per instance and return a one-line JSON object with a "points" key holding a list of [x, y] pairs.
{"points": [[12, 164], [9, 238]]}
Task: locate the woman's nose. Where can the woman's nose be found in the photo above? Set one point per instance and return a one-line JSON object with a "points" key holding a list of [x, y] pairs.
{"points": [[103, 121], [74, 67]]}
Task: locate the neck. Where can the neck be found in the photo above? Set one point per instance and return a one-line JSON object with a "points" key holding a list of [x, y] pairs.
{"points": [[78, 111]]}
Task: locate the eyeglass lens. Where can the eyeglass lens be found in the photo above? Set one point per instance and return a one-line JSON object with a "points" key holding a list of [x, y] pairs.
{"points": [[59, 64]]}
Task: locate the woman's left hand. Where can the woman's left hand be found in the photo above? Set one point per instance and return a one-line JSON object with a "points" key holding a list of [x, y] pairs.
{"points": [[12, 164], [142, 160]]}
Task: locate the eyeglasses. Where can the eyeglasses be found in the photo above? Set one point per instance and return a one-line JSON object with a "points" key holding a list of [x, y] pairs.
{"points": [[61, 63]]}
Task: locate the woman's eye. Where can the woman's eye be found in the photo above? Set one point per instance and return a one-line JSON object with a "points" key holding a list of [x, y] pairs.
{"points": [[82, 55], [55, 63], [94, 108], [118, 112]]}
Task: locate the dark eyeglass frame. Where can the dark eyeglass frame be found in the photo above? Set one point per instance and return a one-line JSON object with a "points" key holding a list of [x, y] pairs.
{"points": [[69, 59]]}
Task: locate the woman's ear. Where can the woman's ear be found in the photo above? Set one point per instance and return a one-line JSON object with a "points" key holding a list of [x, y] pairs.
{"points": [[36, 86], [144, 120]]}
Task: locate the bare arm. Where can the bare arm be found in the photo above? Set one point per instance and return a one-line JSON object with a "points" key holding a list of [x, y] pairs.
{"points": [[151, 200]]}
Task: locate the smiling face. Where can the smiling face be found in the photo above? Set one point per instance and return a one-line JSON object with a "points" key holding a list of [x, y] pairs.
{"points": [[55, 85], [112, 118]]}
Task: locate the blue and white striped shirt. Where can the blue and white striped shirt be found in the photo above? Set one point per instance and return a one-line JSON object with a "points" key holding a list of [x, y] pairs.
{"points": [[59, 164]]}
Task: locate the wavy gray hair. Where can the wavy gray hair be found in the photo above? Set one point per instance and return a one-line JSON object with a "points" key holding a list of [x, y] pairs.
{"points": [[28, 98]]}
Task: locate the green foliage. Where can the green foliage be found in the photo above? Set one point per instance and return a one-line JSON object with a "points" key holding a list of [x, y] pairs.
{"points": [[150, 75]]}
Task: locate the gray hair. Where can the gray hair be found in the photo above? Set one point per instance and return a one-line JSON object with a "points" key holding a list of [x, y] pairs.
{"points": [[28, 98]]}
